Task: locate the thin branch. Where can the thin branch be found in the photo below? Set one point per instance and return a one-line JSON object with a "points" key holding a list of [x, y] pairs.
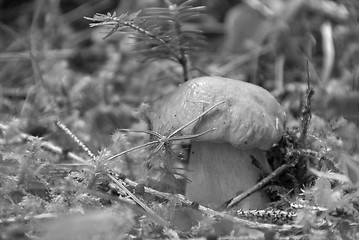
{"points": [[153, 133], [294, 154], [48, 146], [131, 149], [307, 109], [120, 183], [201, 115], [43, 216], [76, 140], [211, 212], [148, 210], [180, 138], [259, 185], [182, 59]]}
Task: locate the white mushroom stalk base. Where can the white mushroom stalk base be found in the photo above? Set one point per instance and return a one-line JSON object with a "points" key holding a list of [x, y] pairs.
{"points": [[218, 172]]}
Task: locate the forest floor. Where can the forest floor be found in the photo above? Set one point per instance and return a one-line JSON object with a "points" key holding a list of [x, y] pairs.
{"points": [[67, 171]]}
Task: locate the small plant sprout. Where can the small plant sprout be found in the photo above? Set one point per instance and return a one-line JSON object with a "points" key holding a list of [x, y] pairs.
{"points": [[173, 39], [230, 160]]}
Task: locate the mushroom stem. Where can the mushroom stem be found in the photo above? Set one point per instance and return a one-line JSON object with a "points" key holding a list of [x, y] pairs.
{"points": [[219, 171]]}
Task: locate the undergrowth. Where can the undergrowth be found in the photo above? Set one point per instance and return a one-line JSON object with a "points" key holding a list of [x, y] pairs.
{"points": [[77, 160], [160, 30]]}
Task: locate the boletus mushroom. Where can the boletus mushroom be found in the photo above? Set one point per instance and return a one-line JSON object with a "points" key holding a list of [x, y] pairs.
{"points": [[230, 159]]}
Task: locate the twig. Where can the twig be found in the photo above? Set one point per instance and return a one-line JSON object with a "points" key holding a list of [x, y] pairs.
{"points": [[211, 212], [43, 216], [120, 183], [48, 146], [148, 211], [259, 185], [290, 154], [76, 140], [307, 109], [130, 150], [182, 57]]}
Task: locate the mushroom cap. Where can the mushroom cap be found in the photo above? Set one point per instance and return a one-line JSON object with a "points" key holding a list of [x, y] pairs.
{"points": [[249, 118]]}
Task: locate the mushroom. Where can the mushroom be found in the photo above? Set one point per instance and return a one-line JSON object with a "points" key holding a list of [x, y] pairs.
{"points": [[231, 158]]}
